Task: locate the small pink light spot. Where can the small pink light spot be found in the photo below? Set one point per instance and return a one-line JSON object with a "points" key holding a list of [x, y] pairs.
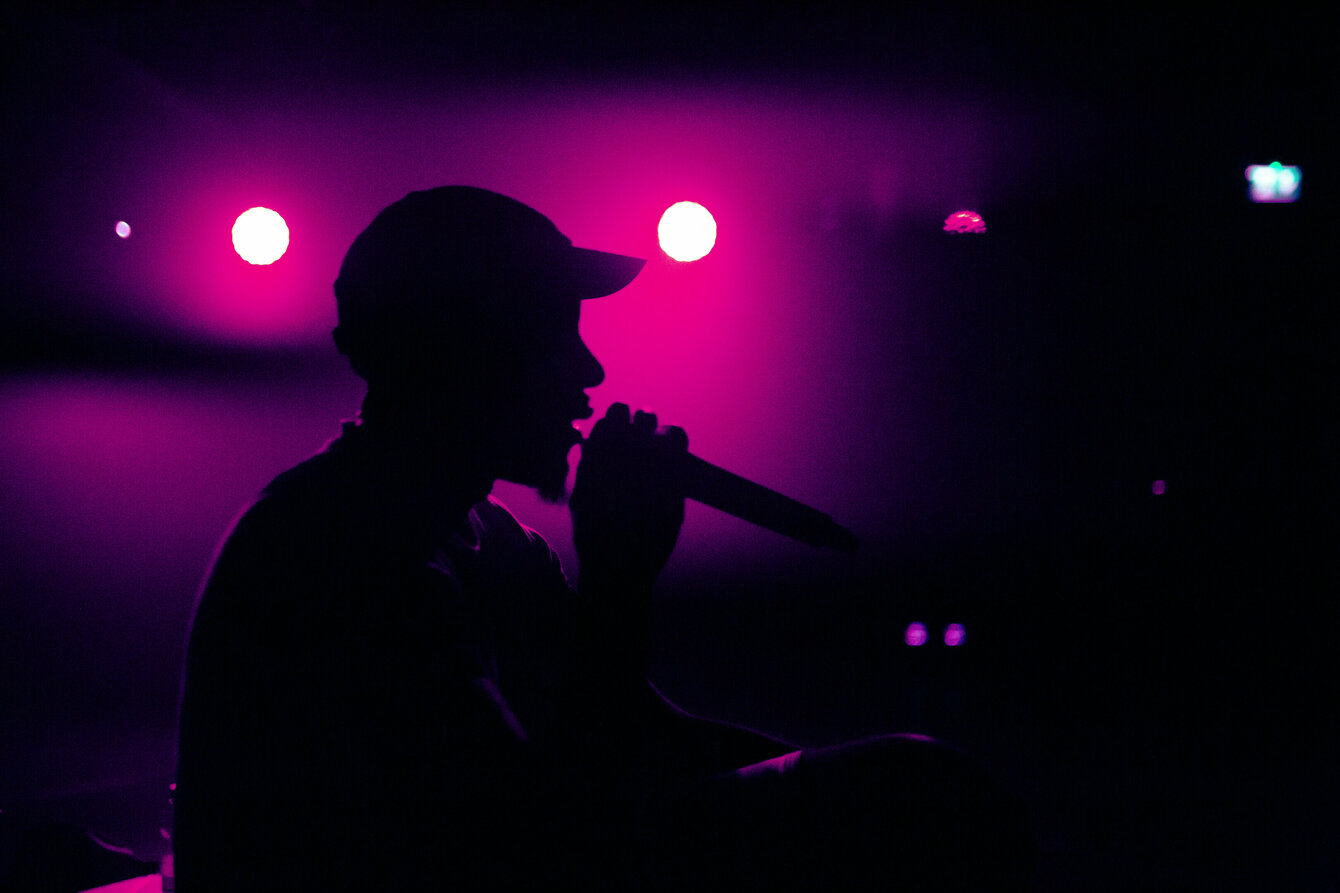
{"points": [[123, 229], [915, 635], [955, 634], [1159, 488], [965, 222]]}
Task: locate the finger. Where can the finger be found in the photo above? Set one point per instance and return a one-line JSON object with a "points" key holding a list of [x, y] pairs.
{"points": [[644, 421], [676, 436], [615, 420]]}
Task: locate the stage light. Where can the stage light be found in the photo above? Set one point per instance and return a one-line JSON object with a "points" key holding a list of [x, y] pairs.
{"points": [[686, 231], [1273, 182], [955, 634], [1159, 488], [915, 634], [965, 222], [122, 229], [260, 236]]}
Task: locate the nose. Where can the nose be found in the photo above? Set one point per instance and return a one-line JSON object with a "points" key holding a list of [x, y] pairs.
{"points": [[592, 372]]}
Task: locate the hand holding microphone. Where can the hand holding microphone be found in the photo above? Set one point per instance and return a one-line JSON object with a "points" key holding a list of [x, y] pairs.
{"points": [[644, 473], [627, 505]]}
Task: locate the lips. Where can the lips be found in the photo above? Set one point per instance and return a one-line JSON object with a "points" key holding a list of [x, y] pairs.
{"points": [[574, 418]]}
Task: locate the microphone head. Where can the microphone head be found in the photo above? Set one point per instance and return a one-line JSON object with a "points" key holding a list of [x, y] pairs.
{"points": [[840, 538]]}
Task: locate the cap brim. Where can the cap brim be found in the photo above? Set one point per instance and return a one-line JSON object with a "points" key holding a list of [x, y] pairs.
{"points": [[600, 273]]}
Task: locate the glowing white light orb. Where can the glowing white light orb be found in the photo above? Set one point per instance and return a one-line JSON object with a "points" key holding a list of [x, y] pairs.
{"points": [[122, 229], [686, 231], [260, 236]]}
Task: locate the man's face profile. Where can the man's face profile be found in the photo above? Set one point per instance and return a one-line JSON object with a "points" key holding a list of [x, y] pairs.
{"points": [[462, 305], [543, 370]]}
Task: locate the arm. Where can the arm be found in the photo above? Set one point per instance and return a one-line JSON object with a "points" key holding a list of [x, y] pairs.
{"points": [[329, 698], [626, 517], [627, 512]]}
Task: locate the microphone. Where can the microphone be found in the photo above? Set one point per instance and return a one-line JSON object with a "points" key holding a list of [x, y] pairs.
{"points": [[706, 483]]}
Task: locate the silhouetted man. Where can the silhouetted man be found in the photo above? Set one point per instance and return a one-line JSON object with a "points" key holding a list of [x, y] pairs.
{"points": [[390, 684]]}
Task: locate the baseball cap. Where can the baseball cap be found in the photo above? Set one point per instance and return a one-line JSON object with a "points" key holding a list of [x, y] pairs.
{"points": [[459, 257]]}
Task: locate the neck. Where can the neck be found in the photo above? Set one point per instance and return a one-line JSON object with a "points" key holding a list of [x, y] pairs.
{"points": [[427, 456]]}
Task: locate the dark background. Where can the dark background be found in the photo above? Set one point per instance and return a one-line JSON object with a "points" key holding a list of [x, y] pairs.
{"points": [[1152, 674]]}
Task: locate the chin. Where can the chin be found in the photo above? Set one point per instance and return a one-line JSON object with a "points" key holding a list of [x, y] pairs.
{"points": [[549, 480]]}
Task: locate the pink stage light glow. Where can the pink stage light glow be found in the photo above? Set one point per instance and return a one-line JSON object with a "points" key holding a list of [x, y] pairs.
{"points": [[208, 286], [1159, 488], [955, 635], [915, 635], [122, 229], [965, 222]]}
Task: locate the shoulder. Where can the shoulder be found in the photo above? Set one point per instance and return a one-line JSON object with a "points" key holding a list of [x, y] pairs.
{"points": [[312, 530], [295, 513]]}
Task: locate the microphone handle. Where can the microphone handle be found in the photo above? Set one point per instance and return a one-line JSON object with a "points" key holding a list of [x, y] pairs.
{"points": [[711, 485]]}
